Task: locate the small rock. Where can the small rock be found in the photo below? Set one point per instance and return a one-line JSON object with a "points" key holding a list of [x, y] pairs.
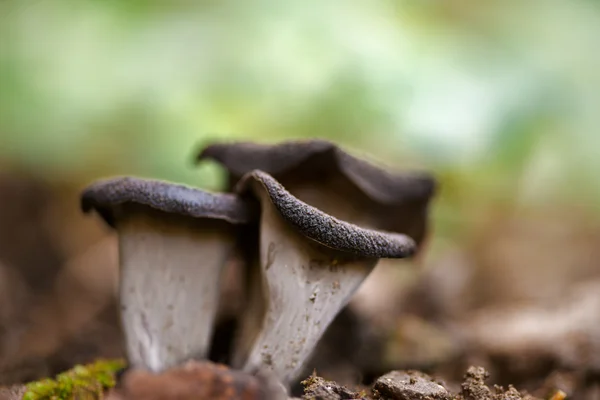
{"points": [[197, 381], [409, 385]]}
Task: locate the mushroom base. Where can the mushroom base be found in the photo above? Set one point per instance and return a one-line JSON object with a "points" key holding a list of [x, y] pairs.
{"points": [[304, 286], [169, 287]]}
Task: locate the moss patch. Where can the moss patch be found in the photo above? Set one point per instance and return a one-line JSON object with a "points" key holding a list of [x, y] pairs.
{"points": [[81, 382]]}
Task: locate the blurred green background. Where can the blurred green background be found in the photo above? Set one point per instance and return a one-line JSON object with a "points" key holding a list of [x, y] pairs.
{"points": [[499, 98]]}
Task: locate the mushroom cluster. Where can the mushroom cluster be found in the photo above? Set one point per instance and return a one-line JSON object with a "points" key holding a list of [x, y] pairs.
{"points": [[311, 220]]}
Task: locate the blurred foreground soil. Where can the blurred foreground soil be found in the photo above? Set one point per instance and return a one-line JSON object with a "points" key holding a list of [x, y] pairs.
{"points": [[518, 293]]}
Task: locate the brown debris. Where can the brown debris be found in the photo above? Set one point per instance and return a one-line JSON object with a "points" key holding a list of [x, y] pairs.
{"points": [[409, 385], [416, 385], [474, 388], [197, 381], [317, 388]]}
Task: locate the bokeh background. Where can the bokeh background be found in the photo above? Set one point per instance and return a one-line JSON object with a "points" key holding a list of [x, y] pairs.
{"points": [[499, 99]]}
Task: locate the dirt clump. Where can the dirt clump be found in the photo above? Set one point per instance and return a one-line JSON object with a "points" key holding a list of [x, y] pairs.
{"points": [[317, 388], [416, 385], [474, 388], [409, 385]]}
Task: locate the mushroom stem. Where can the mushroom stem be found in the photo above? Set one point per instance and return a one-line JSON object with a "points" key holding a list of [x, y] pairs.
{"points": [[303, 285], [169, 288], [174, 242], [306, 290]]}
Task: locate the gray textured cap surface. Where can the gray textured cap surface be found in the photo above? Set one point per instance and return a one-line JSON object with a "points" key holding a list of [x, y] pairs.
{"points": [[290, 157], [172, 198], [327, 230]]}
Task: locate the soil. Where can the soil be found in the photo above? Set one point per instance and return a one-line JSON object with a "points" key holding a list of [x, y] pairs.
{"points": [[415, 385]]}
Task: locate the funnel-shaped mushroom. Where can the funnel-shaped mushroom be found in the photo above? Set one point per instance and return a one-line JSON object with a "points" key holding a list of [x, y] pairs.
{"points": [[173, 243], [323, 175], [310, 265]]}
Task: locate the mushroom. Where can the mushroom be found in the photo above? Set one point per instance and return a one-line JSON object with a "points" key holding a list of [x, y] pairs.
{"points": [[173, 243], [310, 265], [323, 175]]}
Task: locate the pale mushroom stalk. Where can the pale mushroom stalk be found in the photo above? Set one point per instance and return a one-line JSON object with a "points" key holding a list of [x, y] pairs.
{"points": [[173, 244], [310, 265]]}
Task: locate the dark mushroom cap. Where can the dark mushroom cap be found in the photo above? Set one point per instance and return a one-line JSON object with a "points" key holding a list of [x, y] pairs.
{"points": [[103, 196], [325, 229], [314, 157]]}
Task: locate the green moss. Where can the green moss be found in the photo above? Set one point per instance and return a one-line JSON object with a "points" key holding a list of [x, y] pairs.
{"points": [[81, 382]]}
